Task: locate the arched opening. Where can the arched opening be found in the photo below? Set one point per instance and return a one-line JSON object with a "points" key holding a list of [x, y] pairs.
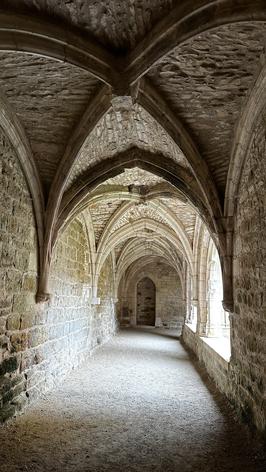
{"points": [[176, 177], [146, 302], [132, 203], [214, 321], [218, 319]]}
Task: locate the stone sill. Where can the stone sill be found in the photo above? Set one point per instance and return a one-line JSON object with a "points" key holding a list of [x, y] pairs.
{"points": [[192, 327], [220, 346]]}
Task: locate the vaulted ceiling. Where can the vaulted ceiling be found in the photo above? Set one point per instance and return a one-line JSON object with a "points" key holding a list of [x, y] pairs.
{"points": [[137, 97]]}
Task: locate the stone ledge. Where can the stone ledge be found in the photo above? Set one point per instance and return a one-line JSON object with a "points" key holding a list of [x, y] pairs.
{"points": [[215, 344], [216, 366], [220, 345]]}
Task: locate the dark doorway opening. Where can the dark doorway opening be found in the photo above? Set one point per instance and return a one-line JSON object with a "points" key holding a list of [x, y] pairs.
{"points": [[146, 296]]}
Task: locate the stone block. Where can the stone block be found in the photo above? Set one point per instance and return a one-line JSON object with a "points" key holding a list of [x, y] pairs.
{"points": [[29, 282], [36, 336], [7, 412], [6, 302], [24, 302], [28, 320], [19, 341], [19, 401], [13, 322], [9, 365], [4, 342]]}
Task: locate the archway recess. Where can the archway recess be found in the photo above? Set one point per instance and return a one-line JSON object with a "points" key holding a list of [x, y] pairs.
{"points": [[139, 130]]}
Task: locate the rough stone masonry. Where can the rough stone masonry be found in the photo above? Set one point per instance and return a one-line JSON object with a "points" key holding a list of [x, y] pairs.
{"points": [[132, 145]]}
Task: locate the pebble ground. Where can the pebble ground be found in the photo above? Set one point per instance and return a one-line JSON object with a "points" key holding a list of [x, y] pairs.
{"points": [[139, 404]]}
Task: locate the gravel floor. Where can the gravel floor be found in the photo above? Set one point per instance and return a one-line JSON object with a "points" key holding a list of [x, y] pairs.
{"points": [[139, 405]]}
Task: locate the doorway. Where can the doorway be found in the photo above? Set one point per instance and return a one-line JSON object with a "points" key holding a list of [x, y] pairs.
{"points": [[146, 296]]}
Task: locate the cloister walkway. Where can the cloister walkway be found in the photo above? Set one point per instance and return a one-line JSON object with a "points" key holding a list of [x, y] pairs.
{"points": [[138, 405]]}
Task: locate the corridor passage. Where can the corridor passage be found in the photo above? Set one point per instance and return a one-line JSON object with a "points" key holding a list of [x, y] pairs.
{"points": [[138, 405]]}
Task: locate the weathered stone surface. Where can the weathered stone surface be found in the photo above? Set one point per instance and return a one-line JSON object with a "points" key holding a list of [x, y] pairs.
{"points": [[43, 343], [142, 385], [243, 378], [120, 130], [135, 176], [101, 213], [118, 23], [184, 212], [203, 85], [104, 322], [217, 367], [206, 81], [17, 236], [49, 99], [8, 365], [135, 213], [248, 324]]}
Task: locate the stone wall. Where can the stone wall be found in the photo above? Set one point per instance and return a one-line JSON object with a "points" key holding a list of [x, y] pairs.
{"points": [[66, 319], [39, 344], [54, 338], [249, 274], [243, 379], [17, 278], [71, 327], [217, 367], [104, 318]]}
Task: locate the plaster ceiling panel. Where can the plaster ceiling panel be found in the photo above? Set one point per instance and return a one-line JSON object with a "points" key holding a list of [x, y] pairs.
{"points": [[117, 24], [206, 81], [116, 132], [142, 252], [100, 214], [140, 247], [184, 212], [137, 212], [135, 176], [143, 247], [119, 248], [49, 98]]}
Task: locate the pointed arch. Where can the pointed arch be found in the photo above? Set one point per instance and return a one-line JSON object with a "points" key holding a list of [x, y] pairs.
{"points": [[185, 21], [35, 35]]}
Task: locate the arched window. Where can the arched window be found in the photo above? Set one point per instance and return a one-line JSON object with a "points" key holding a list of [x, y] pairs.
{"points": [[218, 321], [146, 296], [191, 315]]}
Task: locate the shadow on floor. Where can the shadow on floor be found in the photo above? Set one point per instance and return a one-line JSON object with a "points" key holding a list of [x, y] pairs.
{"points": [[164, 332], [130, 410]]}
